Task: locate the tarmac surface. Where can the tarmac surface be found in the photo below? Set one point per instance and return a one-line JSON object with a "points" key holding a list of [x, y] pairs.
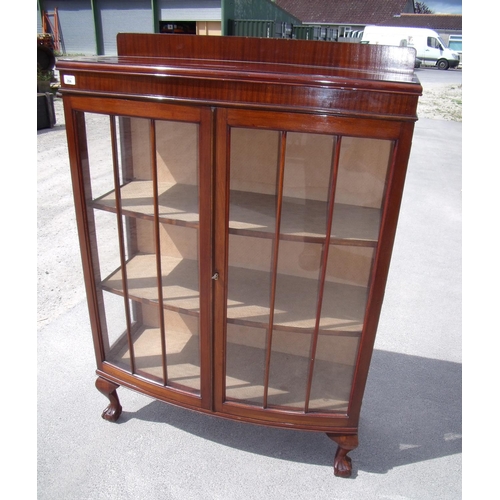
{"points": [[410, 436]]}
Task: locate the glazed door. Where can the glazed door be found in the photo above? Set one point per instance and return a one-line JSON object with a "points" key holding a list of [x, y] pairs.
{"points": [[143, 181], [299, 210]]}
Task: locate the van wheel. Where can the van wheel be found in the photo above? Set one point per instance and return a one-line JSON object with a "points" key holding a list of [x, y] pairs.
{"points": [[443, 64]]}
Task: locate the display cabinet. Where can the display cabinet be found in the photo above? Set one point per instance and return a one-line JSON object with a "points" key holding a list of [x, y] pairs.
{"points": [[237, 202]]}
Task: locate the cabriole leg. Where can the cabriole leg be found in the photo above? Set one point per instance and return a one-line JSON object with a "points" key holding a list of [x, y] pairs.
{"points": [[342, 464], [113, 411]]}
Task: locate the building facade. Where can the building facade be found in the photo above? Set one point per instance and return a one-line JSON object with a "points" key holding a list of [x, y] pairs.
{"points": [[89, 27]]}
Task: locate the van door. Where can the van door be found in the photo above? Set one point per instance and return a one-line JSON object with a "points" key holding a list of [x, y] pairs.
{"points": [[433, 50]]}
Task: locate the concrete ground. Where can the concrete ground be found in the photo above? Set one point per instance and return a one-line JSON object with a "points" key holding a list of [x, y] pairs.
{"points": [[410, 432]]}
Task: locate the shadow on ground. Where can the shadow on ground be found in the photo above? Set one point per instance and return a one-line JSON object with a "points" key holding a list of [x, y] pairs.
{"points": [[411, 413]]}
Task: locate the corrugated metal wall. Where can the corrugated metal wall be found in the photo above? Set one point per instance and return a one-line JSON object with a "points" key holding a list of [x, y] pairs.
{"points": [[258, 9], [77, 25], [86, 32], [126, 16], [189, 10], [251, 10], [38, 20]]}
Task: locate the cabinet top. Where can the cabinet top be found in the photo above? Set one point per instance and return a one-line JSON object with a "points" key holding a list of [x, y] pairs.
{"points": [[266, 56], [252, 61]]}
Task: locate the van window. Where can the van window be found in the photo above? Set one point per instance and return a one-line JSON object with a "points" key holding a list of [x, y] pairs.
{"points": [[345, 31], [433, 42]]}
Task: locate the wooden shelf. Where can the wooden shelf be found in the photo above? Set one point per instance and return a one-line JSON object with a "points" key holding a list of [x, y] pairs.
{"points": [[251, 214], [243, 382], [182, 350], [248, 297], [296, 303], [176, 202], [179, 282], [303, 220]]}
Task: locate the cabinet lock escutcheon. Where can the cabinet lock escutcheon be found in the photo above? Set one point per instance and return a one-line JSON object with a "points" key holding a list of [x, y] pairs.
{"points": [[215, 277]]}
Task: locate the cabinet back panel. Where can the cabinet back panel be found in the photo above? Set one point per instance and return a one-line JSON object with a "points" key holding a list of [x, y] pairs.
{"points": [[254, 159], [308, 164], [176, 146], [363, 171]]}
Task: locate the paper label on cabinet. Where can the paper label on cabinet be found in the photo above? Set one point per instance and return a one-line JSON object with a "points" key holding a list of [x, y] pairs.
{"points": [[69, 79]]}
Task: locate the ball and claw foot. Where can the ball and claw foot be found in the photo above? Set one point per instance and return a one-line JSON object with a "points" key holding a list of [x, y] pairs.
{"points": [[113, 411], [342, 464]]}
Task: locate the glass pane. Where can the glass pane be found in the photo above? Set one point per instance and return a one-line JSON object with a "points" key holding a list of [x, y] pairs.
{"points": [[182, 348], [333, 372], [253, 170], [177, 163], [289, 368], [246, 359], [307, 176], [97, 130], [155, 331], [182, 333], [252, 223], [346, 287], [177, 160], [296, 296], [134, 161], [254, 155], [249, 279], [308, 163], [342, 315], [97, 166], [146, 338], [114, 330], [179, 263], [181, 300], [360, 187], [316, 324]]}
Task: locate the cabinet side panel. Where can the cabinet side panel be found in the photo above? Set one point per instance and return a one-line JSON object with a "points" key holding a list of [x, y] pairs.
{"points": [[76, 136], [391, 207]]}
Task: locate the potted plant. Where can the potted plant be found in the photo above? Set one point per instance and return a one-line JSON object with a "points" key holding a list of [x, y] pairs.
{"points": [[44, 78]]}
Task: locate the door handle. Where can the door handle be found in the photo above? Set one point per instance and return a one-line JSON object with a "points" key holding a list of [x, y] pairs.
{"points": [[215, 277]]}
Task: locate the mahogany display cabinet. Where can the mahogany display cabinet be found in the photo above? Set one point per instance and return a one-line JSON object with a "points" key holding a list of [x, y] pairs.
{"points": [[237, 202]]}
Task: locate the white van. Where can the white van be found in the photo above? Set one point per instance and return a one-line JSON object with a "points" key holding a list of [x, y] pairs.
{"points": [[455, 44], [429, 46]]}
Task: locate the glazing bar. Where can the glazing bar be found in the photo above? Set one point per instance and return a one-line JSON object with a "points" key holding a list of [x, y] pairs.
{"points": [[121, 240], [154, 176], [274, 263], [324, 263]]}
